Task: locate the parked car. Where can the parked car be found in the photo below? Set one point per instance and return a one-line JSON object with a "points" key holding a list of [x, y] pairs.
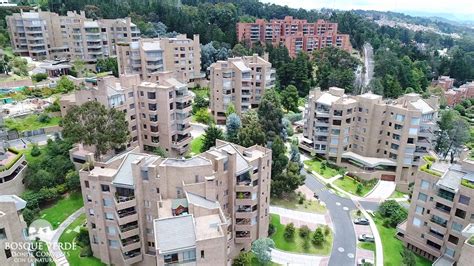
{"points": [[366, 238], [365, 262], [362, 221]]}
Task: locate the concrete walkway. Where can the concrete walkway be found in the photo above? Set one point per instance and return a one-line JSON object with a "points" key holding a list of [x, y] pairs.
{"points": [[375, 233], [382, 190], [53, 244], [288, 258], [305, 217]]}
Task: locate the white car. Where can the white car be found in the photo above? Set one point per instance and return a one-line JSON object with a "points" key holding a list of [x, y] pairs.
{"points": [[365, 262]]}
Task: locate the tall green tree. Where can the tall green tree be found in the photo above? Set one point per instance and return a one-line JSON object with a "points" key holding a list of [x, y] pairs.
{"points": [[233, 126], [452, 135], [92, 124], [261, 248], [270, 114], [108, 64], [289, 98], [211, 134], [408, 257], [251, 132]]}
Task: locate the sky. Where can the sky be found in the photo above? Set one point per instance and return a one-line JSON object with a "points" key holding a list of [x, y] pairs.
{"points": [[461, 8]]}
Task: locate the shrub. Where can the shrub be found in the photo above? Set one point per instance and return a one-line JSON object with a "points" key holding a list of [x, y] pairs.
{"points": [[304, 231], [43, 118], [318, 237], [359, 189], [306, 244], [35, 151], [289, 233], [327, 230], [39, 77], [83, 237], [271, 229], [392, 212], [86, 251], [61, 188], [244, 259], [300, 200]]}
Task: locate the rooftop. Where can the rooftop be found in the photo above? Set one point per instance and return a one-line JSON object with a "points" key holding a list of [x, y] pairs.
{"points": [[368, 161], [20, 204], [175, 233], [194, 161], [208, 226], [124, 174], [242, 164], [201, 201]]}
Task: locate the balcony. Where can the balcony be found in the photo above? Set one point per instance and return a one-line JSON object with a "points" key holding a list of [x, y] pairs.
{"points": [[183, 129], [439, 221], [132, 257], [130, 243], [129, 230], [243, 236], [127, 216], [180, 142]]}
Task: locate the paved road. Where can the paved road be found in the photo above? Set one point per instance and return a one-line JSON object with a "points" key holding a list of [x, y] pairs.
{"points": [[382, 190], [369, 64], [344, 246]]}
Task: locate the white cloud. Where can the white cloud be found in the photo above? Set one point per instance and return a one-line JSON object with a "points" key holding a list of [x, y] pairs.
{"points": [[463, 7]]}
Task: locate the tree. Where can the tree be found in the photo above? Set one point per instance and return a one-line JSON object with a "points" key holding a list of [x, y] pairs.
{"points": [[213, 51], [240, 50], [230, 109], [108, 64], [19, 66], [289, 98], [251, 132], [304, 231], [160, 152], [199, 103], [318, 237], [35, 151], [408, 258], [289, 233], [39, 77], [79, 69], [73, 181], [392, 212], [244, 259], [233, 126], [203, 116], [92, 124], [270, 114], [452, 135], [65, 85], [261, 248], [359, 188], [211, 134]]}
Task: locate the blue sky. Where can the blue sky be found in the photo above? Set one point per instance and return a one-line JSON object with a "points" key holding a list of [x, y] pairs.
{"points": [[453, 7]]}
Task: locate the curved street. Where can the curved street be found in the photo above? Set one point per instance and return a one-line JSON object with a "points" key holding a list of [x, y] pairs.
{"points": [[345, 242]]}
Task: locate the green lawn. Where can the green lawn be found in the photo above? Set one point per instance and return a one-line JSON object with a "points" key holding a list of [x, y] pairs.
{"points": [[62, 209], [392, 247], [44, 249], [196, 145], [367, 245], [291, 202], [397, 194], [315, 165], [349, 184], [12, 77], [69, 236], [297, 244], [30, 123]]}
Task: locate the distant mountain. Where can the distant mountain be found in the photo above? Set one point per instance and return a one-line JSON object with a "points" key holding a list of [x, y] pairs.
{"points": [[462, 19]]}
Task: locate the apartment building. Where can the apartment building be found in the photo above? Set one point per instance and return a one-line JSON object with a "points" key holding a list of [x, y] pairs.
{"points": [[240, 81], [13, 232], [297, 35], [149, 56], [457, 95], [13, 166], [441, 213], [147, 210], [158, 113], [445, 82], [373, 138], [46, 35]]}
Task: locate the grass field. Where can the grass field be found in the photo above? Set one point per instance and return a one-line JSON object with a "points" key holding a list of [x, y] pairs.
{"points": [[315, 165], [196, 145], [297, 244], [29, 123], [392, 247], [367, 246], [397, 194], [69, 236], [349, 184], [291, 202], [62, 209]]}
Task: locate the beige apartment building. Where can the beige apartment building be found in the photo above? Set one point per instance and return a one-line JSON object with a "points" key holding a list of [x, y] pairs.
{"points": [[441, 214], [12, 231], [158, 113], [13, 165], [149, 56], [372, 137], [146, 210], [46, 35], [240, 81]]}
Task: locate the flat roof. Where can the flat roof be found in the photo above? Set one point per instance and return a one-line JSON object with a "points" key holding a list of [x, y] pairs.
{"points": [[201, 201], [124, 174], [451, 179], [208, 226], [175, 233], [327, 99], [20, 204], [194, 161], [242, 164], [422, 106], [241, 65], [151, 46], [368, 161]]}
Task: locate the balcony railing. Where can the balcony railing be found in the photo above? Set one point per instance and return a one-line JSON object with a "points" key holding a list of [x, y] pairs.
{"points": [[131, 240], [120, 199], [127, 228], [442, 223], [125, 214]]}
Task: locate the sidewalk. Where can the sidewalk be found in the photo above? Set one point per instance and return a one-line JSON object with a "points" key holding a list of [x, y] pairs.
{"points": [[312, 220], [375, 233], [53, 244], [288, 258]]}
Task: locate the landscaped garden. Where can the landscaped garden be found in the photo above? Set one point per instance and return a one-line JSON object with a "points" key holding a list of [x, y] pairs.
{"points": [[397, 195], [321, 167], [71, 235], [298, 202], [354, 186], [301, 240], [32, 122], [62, 209], [195, 146]]}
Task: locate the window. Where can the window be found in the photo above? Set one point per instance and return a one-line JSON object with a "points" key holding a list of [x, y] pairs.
{"points": [[419, 210], [189, 255], [109, 216], [416, 222], [400, 118], [86, 184], [460, 213], [113, 243], [202, 254], [398, 127], [413, 131], [335, 131], [3, 234], [464, 199], [424, 184], [449, 252], [8, 253], [453, 239], [107, 202], [422, 197], [415, 121], [111, 230], [105, 188], [91, 212], [456, 227]]}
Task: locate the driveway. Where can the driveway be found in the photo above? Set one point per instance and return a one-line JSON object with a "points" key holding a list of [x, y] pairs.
{"points": [[382, 190], [344, 245]]}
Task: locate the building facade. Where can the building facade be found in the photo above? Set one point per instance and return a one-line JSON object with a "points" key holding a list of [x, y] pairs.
{"points": [[157, 113], [240, 81], [204, 210], [373, 138], [46, 35], [441, 212], [457, 95], [296, 34], [149, 56], [12, 230], [13, 165]]}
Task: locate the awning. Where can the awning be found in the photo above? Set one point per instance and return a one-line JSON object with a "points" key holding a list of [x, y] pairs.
{"points": [[368, 161]]}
